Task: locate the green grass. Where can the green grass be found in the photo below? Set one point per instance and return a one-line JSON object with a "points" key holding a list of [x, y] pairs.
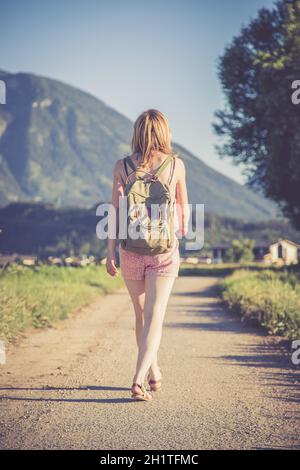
{"points": [[35, 297], [270, 298], [221, 269]]}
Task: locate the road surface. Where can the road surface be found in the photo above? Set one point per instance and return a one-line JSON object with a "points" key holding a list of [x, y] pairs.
{"points": [[226, 385]]}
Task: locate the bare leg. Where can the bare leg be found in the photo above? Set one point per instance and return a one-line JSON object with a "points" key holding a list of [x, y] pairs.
{"points": [[136, 291], [157, 292]]}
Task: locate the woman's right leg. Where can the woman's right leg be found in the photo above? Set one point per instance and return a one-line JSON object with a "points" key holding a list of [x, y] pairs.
{"points": [[157, 290]]}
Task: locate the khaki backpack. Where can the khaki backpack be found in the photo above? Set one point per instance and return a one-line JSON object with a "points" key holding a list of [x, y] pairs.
{"points": [[150, 210]]}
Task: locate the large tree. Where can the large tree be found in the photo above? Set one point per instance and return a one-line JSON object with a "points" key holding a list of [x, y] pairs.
{"points": [[260, 124]]}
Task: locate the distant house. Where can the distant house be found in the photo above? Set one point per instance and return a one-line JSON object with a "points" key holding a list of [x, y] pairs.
{"points": [[27, 260], [219, 252], [260, 250], [55, 260], [5, 260], [283, 251]]}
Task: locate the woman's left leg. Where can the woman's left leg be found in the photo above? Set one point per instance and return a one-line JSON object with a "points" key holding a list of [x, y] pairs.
{"points": [[157, 292], [136, 291]]}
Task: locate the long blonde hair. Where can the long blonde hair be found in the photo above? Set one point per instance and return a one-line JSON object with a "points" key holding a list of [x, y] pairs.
{"points": [[151, 133]]}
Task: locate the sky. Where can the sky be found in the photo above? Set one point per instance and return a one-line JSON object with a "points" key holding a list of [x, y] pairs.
{"points": [[133, 55]]}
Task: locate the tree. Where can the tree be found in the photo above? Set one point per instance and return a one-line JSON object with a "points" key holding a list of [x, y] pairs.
{"points": [[260, 124], [240, 250]]}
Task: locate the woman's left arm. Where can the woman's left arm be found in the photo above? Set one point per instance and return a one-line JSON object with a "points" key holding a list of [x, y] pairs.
{"points": [[182, 203]]}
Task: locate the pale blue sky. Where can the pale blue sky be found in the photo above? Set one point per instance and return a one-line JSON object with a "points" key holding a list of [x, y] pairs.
{"points": [[133, 55]]}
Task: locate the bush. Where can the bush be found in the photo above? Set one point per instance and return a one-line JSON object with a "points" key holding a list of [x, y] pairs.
{"points": [[271, 298]]}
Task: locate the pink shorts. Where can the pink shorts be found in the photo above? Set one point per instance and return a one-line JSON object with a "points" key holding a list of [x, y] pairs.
{"points": [[135, 266]]}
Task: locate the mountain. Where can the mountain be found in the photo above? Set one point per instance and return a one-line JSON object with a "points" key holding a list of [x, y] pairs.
{"points": [[58, 145]]}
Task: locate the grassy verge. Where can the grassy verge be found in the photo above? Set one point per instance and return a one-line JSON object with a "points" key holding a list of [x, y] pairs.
{"points": [[222, 269], [35, 297], [271, 298]]}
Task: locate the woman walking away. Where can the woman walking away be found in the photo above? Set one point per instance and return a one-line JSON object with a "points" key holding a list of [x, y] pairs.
{"points": [[151, 177]]}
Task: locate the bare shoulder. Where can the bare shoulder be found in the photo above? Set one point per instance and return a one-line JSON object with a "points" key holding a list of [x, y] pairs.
{"points": [[179, 167], [179, 162], [118, 167]]}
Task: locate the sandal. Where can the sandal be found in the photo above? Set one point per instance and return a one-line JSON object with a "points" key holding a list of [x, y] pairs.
{"points": [[144, 396], [154, 385]]}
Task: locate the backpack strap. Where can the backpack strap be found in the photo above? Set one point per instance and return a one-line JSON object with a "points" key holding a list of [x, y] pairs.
{"points": [[162, 166], [125, 167], [130, 163], [171, 171], [170, 158], [127, 161]]}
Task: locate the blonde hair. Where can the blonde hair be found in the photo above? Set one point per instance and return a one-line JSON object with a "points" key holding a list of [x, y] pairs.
{"points": [[151, 133]]}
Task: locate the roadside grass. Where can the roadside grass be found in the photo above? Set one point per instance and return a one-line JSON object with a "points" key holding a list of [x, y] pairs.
{"points": [[37, 296], [270, 298], [222, 269]]}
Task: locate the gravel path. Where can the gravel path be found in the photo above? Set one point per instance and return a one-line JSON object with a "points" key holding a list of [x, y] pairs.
{"points": [[226, 385]]}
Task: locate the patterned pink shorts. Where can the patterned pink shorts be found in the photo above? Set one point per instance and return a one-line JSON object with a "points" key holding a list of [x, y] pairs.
{"points": [[135, 266]]}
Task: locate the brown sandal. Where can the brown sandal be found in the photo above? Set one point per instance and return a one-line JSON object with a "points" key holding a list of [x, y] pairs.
{"points": [[144, 396], [154, 385]]}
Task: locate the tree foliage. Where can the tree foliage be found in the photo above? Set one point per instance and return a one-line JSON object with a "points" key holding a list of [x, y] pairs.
{"points": [[240, 250], [260, 125]]}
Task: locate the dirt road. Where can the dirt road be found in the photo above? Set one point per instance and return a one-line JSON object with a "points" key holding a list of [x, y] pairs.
{"points": [[226, 385]]}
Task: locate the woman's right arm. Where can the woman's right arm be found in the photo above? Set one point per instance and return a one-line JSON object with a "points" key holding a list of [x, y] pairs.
{"points": [[117, 191]]}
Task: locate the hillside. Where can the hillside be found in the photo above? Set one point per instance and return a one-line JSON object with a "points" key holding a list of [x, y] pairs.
{"points": [[58, 144]]}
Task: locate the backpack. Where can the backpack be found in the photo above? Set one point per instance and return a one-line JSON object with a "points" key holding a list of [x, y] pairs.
{"points": [[150, 210]]}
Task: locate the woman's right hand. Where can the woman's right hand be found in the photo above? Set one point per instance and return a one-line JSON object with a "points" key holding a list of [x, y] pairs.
{"points": [[111, 265]]}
